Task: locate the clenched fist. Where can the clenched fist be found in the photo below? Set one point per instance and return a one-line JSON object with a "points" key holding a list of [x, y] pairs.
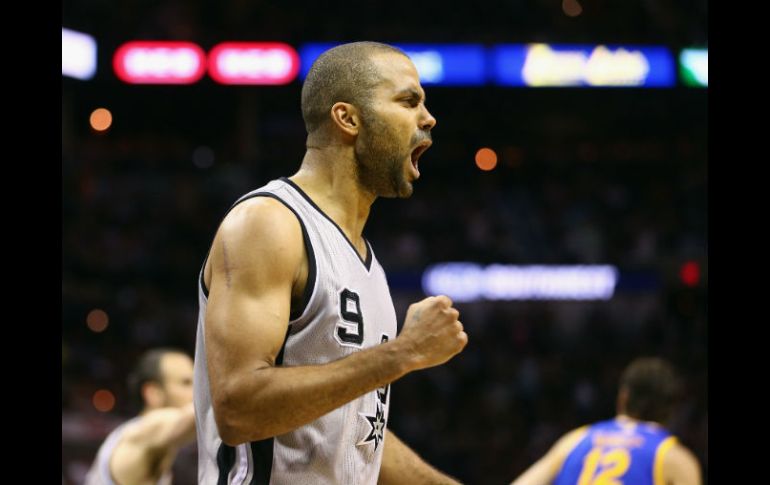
{"points": [[432, 333]]}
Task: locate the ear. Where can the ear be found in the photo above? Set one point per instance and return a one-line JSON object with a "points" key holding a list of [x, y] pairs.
{"points": [[346, 118], [152, 394]]}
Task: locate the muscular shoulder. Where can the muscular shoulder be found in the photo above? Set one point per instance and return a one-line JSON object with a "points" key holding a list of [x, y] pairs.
{"points": [[681, 466], [264, 219], [564, 446], [567, 442], [259, 233], [546, 468]]}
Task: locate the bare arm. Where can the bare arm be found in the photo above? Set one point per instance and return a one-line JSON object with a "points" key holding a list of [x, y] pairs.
{"points": [[680, 467], [543, 471], [155, 436], [256, 260], [169, 427], [400, 464]]}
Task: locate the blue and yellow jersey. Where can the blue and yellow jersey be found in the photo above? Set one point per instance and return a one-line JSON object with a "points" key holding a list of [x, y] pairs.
{"points": [[619, 451]]}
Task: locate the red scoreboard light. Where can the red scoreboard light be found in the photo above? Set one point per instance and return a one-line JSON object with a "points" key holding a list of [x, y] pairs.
{"points": [[159, 62], [253, 63]]}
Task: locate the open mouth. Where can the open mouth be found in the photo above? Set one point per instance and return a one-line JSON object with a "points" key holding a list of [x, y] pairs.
{"points": [[419, 150]]}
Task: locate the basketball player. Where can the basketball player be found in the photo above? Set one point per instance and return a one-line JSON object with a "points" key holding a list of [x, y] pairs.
{"points": [[297, 336], [631, 449], [142, 450]]}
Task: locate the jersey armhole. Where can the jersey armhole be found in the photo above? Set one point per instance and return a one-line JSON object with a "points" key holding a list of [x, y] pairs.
{"points": [[295, 313]]}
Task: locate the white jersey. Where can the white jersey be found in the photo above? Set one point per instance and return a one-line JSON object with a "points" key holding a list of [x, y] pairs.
{"points": [[346, 308], [100, 474]]}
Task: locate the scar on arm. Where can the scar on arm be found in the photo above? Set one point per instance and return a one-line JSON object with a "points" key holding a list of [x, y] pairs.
{"points": [[228, 276]]}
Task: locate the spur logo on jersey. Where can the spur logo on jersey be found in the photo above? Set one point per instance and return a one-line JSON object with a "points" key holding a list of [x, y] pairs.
{"points": [[377, 422], [377, 431], [350, 331]]}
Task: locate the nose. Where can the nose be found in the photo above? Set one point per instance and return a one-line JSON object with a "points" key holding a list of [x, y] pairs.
{"points": [[428, 121]]}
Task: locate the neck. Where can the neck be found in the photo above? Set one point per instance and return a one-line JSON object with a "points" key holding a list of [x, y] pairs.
{"points": [[328, 176], [626, 417]]}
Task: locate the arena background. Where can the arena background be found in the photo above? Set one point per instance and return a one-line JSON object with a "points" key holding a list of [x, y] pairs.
{"points": [[612, 176]]}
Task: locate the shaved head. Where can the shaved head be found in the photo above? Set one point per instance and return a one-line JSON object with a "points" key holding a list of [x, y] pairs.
{"points": [[345, 73]]}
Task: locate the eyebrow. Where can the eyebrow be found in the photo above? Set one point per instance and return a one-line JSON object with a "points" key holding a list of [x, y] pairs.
{"points": [[413, 93]]}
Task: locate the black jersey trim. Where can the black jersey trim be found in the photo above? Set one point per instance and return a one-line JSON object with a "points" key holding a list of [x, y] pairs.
{"points": [[225, 462], [366, 262], [262, 451], [203, 269], [311, 273]]}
